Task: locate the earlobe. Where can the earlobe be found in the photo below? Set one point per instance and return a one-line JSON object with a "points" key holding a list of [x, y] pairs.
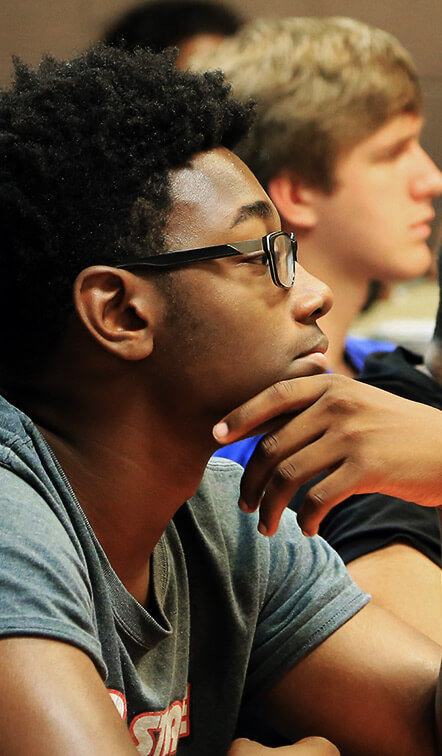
{"points": [[114, 306], [293, 200]]}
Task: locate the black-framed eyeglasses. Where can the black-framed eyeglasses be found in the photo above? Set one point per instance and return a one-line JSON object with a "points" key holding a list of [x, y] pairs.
{"points": [[279, 248]]}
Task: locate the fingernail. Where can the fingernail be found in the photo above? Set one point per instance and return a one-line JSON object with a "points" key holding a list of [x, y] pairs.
{"points": [[262, 529], [220, 431]]}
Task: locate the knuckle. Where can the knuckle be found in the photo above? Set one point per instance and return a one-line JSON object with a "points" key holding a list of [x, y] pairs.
{"points": [[282, 391], [318, 498], [349, 435], [339, 400], [268, 445], [338, 403], [243, 415], [286, 472]]}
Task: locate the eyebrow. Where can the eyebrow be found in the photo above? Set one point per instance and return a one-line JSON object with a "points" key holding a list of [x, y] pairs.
{"points": [[399, 142], [259, 209]]}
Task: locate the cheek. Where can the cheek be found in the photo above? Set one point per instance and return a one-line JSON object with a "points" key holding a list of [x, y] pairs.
{"points": [[228, 335], [227, 354], [361, 220]]}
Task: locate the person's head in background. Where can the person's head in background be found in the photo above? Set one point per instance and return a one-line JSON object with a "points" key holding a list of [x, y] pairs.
{"points": [[194, 26], [336, 145]]}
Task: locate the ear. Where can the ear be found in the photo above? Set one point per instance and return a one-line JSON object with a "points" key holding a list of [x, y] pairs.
{"points": [[118, 309], [294, 200]]}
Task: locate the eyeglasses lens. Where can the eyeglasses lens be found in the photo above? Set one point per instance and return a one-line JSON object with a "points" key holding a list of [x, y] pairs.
{"points": [[285, 264]]}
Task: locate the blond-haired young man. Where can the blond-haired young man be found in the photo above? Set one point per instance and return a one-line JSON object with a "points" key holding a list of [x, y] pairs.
{"points": [[336, 145]]}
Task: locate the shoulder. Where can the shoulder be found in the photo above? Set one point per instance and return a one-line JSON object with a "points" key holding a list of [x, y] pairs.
{"points": [[46, 589], [219, 493], [215, 505], [34, 538], [400, 373], [358, 348], [15, 428], [26, 514], [224, 528], [215, 508], [220, 468]]}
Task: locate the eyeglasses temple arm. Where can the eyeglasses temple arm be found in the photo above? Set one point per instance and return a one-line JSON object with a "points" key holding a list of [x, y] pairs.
{"points": [[171, 259]]}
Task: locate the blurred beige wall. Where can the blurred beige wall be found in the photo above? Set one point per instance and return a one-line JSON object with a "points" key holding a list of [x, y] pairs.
{"points": [[30, 27]]}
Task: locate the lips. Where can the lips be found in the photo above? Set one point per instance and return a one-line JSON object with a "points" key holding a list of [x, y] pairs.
{"points": [[422, 230], [320, 347], [427, 220], [311, 361]]}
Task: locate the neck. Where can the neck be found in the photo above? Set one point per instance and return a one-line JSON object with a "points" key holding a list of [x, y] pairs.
{"points": [[349, 296], [130, 464]]}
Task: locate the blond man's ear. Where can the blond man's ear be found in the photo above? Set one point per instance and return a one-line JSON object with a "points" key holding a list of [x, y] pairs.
{"points": [[294, 201]]}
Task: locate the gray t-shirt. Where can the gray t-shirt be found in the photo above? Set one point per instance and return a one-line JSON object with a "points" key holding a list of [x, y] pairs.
{"points": [[230, 610]]}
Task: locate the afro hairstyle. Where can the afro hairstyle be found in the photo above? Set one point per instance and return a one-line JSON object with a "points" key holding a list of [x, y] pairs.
{"points": [[87, 147]]}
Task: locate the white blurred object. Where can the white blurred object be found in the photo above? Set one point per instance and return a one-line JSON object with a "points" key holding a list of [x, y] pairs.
{"points": [[412, 333]]}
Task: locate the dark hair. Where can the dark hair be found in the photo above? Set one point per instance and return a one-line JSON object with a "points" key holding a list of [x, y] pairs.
{"points": [[86, 149], [164, 24]]}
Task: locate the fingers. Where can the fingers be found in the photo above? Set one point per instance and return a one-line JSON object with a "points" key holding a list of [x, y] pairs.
{"points": [[273, 490], [287, 477], [273, 458], [341, 483], [321, 423], [283, 398]]}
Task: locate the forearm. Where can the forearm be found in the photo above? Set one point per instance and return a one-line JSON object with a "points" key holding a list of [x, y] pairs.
{"points": [[54, 702]]}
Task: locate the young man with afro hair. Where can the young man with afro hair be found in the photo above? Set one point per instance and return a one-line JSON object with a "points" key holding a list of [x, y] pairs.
{"points": [[145, 283]]}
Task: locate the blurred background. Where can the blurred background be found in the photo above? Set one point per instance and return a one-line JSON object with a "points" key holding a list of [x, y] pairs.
{"points": [[29, 28]]}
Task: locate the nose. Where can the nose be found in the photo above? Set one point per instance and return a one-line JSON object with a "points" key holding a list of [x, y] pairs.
{"points": [[427, 182], [311, 298]]}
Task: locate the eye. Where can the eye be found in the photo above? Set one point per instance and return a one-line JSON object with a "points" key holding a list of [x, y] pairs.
{"points": [[396, 150], [259, 258]]}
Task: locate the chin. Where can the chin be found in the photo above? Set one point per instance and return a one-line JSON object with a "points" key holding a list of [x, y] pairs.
{"points": [[418, 261]]}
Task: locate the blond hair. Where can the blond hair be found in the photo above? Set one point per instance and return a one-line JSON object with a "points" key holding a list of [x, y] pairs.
{"points": [[321, 86]]}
